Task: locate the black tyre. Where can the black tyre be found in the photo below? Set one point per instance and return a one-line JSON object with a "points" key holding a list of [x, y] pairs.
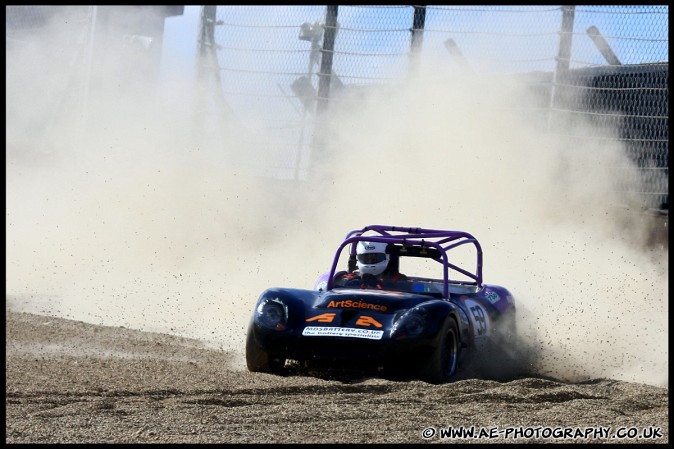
{"points": [[259, 360], [506, 330], [443, 362], [501, 358], [508, 352]]}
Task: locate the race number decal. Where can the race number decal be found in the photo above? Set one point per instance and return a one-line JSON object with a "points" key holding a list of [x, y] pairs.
{"points": [[479, 318]]}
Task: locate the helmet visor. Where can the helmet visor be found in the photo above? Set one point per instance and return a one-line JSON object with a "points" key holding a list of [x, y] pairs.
{"points": [[371, 258]]}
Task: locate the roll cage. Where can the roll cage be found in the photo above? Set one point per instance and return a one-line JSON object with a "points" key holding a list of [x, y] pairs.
{"points": [[414, 242]]}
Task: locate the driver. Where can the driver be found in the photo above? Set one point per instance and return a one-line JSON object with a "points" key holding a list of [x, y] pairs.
{"points": [[374, 269]]}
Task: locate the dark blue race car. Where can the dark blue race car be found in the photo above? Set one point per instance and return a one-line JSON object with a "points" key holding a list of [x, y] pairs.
{"points": [[426, 324]]}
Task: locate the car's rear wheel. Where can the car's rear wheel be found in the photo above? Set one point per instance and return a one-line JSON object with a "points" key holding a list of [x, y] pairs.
{"points": [[443, 362], [259, 360], [505, 357]]}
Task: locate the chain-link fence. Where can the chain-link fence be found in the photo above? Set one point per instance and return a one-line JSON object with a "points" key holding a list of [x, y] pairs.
{"points": [[278, 67]]}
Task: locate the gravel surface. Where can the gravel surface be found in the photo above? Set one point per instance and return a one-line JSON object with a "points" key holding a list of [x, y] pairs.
{"points": [[74, 382]]}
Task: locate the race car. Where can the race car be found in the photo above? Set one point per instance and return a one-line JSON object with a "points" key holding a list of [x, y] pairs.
{"points": [[425, 324]]}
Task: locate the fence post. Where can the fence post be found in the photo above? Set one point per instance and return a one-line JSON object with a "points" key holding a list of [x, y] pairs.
{"points": [[324, 78], [209, 96], [561, 73], [325, 74], [206, 29], [417, 30]]}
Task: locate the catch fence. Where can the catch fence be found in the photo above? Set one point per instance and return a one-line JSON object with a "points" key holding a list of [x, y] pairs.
{"points": [[278, 68]]}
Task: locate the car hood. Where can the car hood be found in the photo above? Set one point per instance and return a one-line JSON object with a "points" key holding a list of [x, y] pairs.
{"points": [[375, 300]]}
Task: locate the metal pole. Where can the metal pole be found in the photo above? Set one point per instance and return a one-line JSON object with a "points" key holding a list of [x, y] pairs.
{"points": [[454, 50], [324, 78], [563, 58], [206, 33], [325, 73], [603, 46], [314, 48], [418, 23]]}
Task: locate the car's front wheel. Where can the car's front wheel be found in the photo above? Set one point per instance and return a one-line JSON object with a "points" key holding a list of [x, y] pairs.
{"points": [[442, 364], [259, 360]]}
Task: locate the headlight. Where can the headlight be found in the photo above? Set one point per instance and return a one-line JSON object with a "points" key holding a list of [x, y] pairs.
{"points": [[414, 325], [410, 324], [273, 313]]}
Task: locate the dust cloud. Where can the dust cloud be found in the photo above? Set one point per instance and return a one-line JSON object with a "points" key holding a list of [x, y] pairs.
{"points": [[128, 213], [546, 209]]}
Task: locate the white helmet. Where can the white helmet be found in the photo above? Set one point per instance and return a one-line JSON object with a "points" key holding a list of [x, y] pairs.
{"points": [[371, 257]]}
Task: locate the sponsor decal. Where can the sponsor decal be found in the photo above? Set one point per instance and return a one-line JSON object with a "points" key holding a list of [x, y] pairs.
{"points": [[370, 334], [329, 317], [367, 321], [492, 297], [323, 318], [350, 304]]}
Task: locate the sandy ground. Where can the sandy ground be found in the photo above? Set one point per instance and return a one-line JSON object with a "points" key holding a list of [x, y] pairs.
{"points": [[73, 382]]}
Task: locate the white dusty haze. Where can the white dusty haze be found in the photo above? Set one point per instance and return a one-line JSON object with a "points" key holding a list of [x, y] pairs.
{"points": [[148, 224]]}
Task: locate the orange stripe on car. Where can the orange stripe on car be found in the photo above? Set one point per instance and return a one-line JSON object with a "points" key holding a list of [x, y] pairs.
{"points": [[323, 318], [367, 321]]}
